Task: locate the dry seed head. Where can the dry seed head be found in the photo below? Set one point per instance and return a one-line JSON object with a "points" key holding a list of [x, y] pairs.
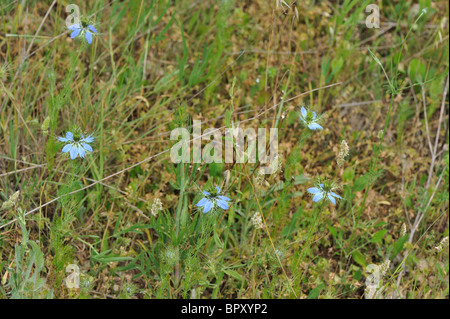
{"points": [[259, 178], [384, 267], [276, 164], [11, 201], [343, 153], [442, 245], [403, 230], [4, 71], [380, 134], [257, 220], [156, 207], [227, 176]]}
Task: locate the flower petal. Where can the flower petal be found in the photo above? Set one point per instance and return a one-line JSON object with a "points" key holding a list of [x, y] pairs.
{"points": [[315, 126], [222, 204], [88, 36], [63, 139], [81, 151], [206, 193], [218, 189], [88, 139], [317, 197], [75, 33], [335, 195], [92, 28], [202, 202], [74, 26], [331, 198], [67, 148], [314, 115], [73, 152], [207, 207], [322, 185], [87, 147], [303, 110], [69, 135], [223, 197], [313, 190]]}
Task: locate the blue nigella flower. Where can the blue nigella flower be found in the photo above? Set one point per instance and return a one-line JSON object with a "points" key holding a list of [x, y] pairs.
{"points": [[309, 119], [322, 192], [211, 200], [77, 145], [82, 28]]}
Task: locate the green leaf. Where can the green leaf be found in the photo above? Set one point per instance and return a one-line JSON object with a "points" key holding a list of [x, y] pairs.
{"points": [[398, 246], [380, 224], [300, 179], [417, 71], [359, 258], [333, 231], [348, 175], [360, 183], [313, 294], [234, 274], [357, 275], [378, 236], [216, 169], [217, 240]]}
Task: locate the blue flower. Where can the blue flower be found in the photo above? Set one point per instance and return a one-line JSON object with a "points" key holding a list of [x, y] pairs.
{"points": [[322, 192], [309, 119], [211, 200], [77, 145], [82, 29]]}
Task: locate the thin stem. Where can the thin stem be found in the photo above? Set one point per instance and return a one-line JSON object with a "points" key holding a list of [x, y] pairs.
{"points": [[270, 239]]}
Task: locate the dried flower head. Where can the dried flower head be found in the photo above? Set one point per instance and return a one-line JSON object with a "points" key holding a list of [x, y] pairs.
{"points": [[156, 207], [4, 71], [403, 230], [343, 153], [259, 178], [380, 134], [12, 200], [384, 267], [442, 245], [276, 164], [257, 220]]}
